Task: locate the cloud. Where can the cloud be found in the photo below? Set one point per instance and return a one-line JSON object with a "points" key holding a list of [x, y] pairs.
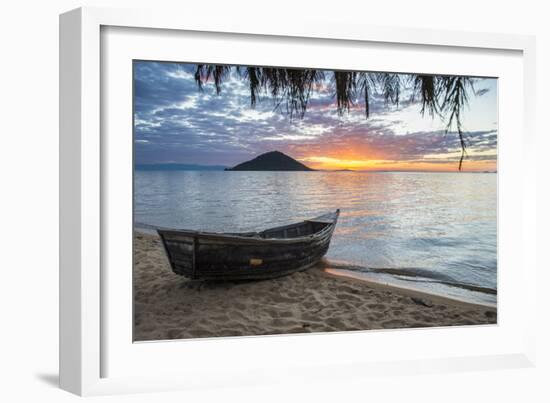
{"points": [[174, 121]]}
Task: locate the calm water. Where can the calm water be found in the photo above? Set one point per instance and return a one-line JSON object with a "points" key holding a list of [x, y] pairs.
{"points": [[430, 231]]}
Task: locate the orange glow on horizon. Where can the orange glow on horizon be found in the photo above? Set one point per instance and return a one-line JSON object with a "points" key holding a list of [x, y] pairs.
{"points": [[357, 154], [362, 164]]}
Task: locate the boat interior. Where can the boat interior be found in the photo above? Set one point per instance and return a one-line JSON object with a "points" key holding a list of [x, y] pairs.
{"points": [[303, 228]]}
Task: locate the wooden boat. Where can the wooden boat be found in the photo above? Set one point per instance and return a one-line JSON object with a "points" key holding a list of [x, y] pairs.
{"points": [[270, 253]]}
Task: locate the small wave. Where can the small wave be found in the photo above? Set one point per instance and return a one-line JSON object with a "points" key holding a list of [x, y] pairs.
{"points": [[465, 286], [417, 275], [413, 272]]}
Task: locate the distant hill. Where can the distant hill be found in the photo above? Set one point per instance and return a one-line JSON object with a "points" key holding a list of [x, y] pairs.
{"points": [[271, 161], [178, 167]]}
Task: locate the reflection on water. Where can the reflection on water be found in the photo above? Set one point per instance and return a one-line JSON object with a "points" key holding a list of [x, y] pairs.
{"points": [[434, 225]]}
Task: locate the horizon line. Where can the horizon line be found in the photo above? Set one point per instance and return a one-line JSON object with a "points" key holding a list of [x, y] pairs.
{"points": [[137, 165]]}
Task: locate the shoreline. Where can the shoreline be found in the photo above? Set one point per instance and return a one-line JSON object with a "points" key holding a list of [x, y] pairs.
{"points": [[168, 306], [410, 292]]}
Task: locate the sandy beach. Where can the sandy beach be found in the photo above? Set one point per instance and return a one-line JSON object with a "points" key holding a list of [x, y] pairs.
{"points": [[168, 306]]}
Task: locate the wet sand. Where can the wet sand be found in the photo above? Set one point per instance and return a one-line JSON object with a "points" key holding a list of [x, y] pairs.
{"points": [[168, 306]]}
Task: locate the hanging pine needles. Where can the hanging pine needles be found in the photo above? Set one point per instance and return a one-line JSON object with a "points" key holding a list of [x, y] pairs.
{"points": [[291, 89]]}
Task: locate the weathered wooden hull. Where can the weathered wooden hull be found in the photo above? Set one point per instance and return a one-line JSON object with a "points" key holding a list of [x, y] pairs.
{"points": [[248, 256]]}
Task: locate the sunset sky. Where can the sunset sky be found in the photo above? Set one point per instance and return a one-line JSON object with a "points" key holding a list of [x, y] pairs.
{"points": [[175, 123]]}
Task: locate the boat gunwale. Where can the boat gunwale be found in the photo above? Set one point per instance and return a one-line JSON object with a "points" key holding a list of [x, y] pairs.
{"points": [[247, 239]]}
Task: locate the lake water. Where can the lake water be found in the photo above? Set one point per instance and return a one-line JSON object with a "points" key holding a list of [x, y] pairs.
{"points": [[434, 232]]}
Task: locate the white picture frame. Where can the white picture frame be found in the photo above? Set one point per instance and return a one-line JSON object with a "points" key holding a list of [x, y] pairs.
{"points": [[88, 335]]}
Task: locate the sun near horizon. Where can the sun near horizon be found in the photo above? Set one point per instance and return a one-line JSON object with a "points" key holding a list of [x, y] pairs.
{"points": [[331, 163]]}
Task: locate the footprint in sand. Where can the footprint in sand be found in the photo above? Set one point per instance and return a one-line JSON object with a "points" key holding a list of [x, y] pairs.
{"points": [[392, 324], [173, 333], [490, 314]]}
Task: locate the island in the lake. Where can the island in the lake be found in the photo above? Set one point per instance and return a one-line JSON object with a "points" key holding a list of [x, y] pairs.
{"points": [[271, 161]]}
